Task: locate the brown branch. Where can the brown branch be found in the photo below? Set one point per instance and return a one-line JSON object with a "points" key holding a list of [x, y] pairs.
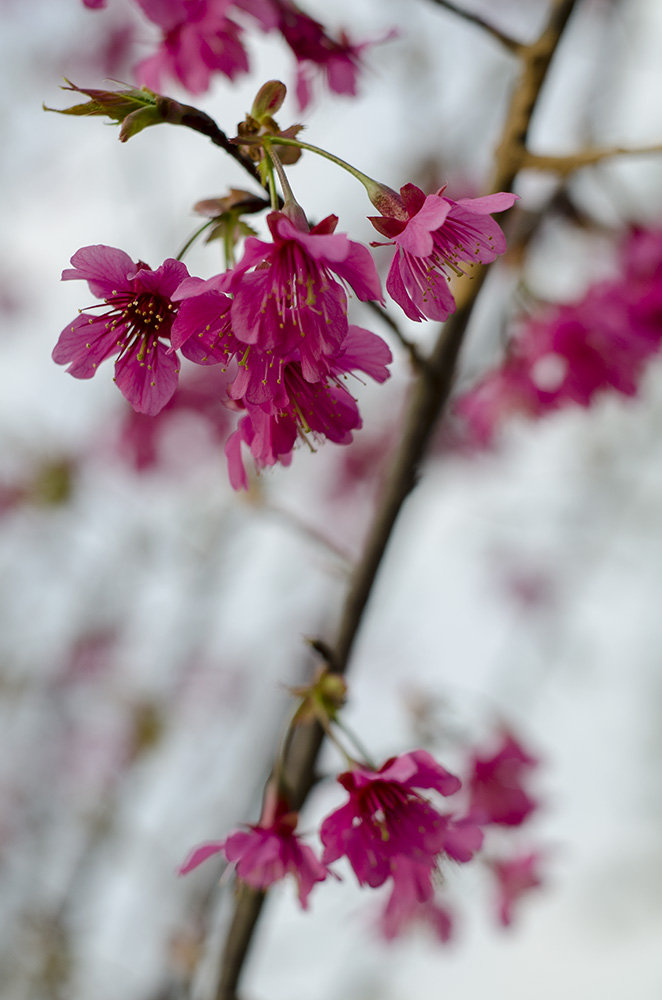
{"points": [[415, 356], [199, 121], [511, 151], [509, 43], [429, 396], [565, 165]]}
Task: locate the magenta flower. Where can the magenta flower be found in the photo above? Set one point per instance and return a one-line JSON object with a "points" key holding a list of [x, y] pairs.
{"points": [[570, 353], [497, 794], [266, 853], [293, 407], [197, 40], [135, 324], [315, 49], [412, 902], [286, 298], [386, 819], [434, 237], [515, 877]]}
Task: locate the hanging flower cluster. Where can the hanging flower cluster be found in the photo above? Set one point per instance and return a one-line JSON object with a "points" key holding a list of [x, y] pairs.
{"points": [[393, 832], [284, 330], [200, 38], [572, 353], [276, 321]]}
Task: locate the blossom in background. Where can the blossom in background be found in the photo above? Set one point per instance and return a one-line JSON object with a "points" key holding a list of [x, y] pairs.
{"points": [[201, 392], [286, 298], [434, 237], [571, 353], [386, 819], [514, 877], [323, 409], [198, 39], [135, 324], [265, 853], [314, 48], [496, 789]]}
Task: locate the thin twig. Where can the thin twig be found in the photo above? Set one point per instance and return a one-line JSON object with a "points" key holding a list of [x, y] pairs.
{"points": [[511, 44], [565, 165], [308, 531], [415, 356], [201, 122], [429, 396]]}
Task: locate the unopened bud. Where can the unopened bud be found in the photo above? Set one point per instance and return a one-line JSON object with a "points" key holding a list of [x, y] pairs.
{"points": [[268, 100]]}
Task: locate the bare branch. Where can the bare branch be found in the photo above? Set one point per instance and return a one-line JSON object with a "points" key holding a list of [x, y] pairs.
{"points": [[417, 360], [429, 396], [509, 43], [565, 165]]}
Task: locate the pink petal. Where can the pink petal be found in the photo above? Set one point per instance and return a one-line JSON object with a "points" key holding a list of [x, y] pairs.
{"points": [[149, 383], [201, 854], [104, 268], [490, 202], [416, 237]]}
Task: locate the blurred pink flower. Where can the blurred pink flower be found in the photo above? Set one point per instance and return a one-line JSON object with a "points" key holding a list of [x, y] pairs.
{"points": [[198, 39], [265, 853], [314, 49], [496, 790], [135, 324], [570, 353], [515, 877], [434, 236], [201, 391], [412, 902], [386, 819]]}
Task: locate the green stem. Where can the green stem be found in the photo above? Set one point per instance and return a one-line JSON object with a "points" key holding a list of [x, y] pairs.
{"points": [[367, 182], [282, 176], [356, 741], [273, 194], [189, 243], [228, 244]]}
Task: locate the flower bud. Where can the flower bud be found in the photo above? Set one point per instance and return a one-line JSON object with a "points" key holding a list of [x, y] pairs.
{"points": [[268, 100], [134, 109]]}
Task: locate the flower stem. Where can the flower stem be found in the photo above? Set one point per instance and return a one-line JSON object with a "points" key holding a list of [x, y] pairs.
{"points": [[356, 741], [189, 243], [367, 182], [273, 194]]}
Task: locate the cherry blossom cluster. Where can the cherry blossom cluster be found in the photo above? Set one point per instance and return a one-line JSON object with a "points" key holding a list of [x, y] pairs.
{"points": [[200, 38], [276, 321], [570, 354], [284, 331], [394, 831]]}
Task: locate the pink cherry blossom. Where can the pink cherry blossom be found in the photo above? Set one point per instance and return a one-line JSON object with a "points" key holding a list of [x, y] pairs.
{"points": [[286, 298], [434, 237], [386, 819], [296, 408], [134, 323], [265, 853], [412, 901], [515, 877], [314, 49], [569, 354], [198, 39], [497, 792]]}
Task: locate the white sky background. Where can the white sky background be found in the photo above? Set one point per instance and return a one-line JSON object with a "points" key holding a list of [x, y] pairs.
{"points": [[211, 596]]}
